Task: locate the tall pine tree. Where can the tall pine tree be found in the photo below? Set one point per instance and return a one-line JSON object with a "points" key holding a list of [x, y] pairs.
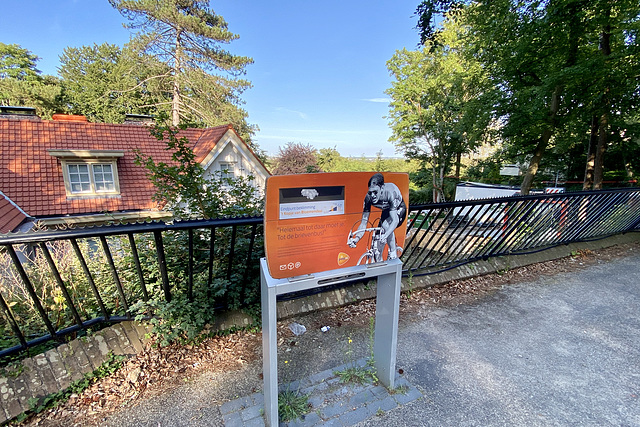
{"points": [[204, 80]]}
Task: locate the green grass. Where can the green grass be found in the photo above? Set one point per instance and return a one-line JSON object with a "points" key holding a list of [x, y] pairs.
{"points": [[292, 405]]}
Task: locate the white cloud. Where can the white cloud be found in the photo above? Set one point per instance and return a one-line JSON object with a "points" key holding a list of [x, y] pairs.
{"points": [[300, 114], [380, 100]]}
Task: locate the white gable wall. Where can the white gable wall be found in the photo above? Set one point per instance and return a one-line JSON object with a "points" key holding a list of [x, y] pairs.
{"points": [[231, 152]]}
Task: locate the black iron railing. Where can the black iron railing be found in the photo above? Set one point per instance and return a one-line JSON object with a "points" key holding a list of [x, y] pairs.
{"points": [[108, 269], [446, 235], [56, 283]]}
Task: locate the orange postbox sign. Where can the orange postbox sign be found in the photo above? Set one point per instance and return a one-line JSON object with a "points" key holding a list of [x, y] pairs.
{"points": [[324, 221]]}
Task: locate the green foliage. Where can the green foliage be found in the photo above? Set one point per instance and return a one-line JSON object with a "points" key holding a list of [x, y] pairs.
{"points": [[485, 170], [12, 369], [182, 319], [401, 389], [292, 405], [353, 371], [555, 68], [21, 83], [553, 72], [425, 192], [438, 108], [330, 160], [105, 82], [202, 77], [17, 63], [186, 316], [181, 185], [184, 188], [410, 285], [428, 11], [50, 295]]}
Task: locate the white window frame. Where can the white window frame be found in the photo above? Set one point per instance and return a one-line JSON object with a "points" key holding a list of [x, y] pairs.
{"points": [[90, 159], [225, 167], [93, 182]]}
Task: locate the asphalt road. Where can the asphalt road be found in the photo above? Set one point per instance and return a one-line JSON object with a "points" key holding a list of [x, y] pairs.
{"points": [[563, 350]]}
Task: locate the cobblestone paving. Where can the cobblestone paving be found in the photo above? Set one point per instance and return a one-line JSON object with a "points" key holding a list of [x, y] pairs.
{"points": [[332, 403]]}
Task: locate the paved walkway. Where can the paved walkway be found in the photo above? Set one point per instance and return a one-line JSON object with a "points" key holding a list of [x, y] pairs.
{"points": [[562, 350], [332, 402]]}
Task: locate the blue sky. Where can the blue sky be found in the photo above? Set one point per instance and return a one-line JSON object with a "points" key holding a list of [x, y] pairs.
{"points": [[320, 66]]}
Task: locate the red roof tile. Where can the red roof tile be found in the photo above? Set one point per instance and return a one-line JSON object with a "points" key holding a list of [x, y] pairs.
{"points": [[10, 215], [33, 179]]}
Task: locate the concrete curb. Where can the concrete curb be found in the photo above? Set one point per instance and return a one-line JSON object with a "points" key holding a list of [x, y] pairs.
{"points": [[339, 297]]}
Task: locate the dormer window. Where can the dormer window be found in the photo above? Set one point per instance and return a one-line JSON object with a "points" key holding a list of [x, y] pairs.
{"points": [[91, 173], [91, 178]]}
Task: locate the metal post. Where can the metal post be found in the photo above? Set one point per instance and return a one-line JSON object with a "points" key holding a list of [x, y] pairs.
{"points": [[388, 275], [269, 348], [386, 329]]}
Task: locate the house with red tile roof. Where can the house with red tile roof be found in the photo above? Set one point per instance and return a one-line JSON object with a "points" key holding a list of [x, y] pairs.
{"points": [[70, 171]]}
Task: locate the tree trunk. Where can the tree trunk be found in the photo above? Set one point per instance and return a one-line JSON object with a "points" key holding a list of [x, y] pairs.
{"points": [[603, 128], [458, 161], [534, 164], [434, 182], [598, 172], [441, 197], [175, 101], [591, 155]]}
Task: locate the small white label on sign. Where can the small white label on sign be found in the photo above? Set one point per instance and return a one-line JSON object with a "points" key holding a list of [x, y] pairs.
{"points": [[311, 209]]}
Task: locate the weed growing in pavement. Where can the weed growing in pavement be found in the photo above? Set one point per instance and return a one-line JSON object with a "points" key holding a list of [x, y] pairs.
{"points": [[354, 373], [401, 389], [410, 285], [371, 359], [12, 369], [503, 271], [291, 403]]}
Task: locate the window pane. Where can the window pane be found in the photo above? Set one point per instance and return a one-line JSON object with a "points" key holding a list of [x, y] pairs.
{"points": [[227, 170], [79, 178], [103, 178]]}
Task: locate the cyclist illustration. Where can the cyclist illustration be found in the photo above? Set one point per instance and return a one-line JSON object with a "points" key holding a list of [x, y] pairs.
{"points": [[388, 198]]}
